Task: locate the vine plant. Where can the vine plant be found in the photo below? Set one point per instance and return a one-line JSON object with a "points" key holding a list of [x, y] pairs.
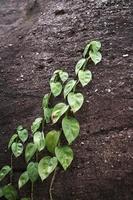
{"points": [[45, 152]]}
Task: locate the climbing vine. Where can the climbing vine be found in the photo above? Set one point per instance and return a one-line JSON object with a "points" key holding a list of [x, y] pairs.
{"points": [[45, 152]]}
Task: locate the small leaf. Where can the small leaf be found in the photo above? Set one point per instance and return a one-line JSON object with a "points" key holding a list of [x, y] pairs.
{"points": [[95, 45], [85, 77], [45, 101], [36, 124], [86, 50], [13, 138], [80, 64], [63, 76], [75, 101], [52, 139], [58, 110], [64, 155], [17, 149], [56, 88], [68, 87], [10, 193], [23, 179], [19, 128], [96, 57], [23, 135], [39, 140], [4, 171], [32, 170], [70, 128], [47, 114], [46, 166], [30, 151]]}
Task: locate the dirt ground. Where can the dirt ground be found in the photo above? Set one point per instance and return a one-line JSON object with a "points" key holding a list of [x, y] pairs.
{"points": [[37, 37]]}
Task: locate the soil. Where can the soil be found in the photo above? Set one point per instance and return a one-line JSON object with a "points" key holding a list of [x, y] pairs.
{"points": [[39, 36]]}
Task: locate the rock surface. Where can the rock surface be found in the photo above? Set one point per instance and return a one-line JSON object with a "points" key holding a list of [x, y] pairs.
{"points": [[39, 36]]}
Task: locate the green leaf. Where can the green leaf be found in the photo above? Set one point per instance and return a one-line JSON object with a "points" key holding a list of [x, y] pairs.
{"points": [[64, 155], [17, 149], [32, 170], [85, 77], [52, 139], [30, 151], [95, 45], [46, 166], [80, 64], [23, 135], [68, 87], [23, 179], [56, 88], [54, 77], [1, 192], [75, 101], [19, 128], [45, 101], [86, 50], [9, 192], [58, 110], [47, 114], [70, 128], [96, 57], [4, 171], [13, 138], [39, 140], [36, 124], [63, 76]]}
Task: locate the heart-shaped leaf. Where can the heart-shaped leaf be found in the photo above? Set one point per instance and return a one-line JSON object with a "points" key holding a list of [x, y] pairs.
{"points": [[13, 138], [17, 149], [70, 128], [52, 139], [63, 76], [39, 140], [23, 179], [23, 135], [10, 193], [68, 87], [64, 155], [47, 114], [36, 124], [75, 101], [58, 110], [80, 64], [46, 166], [30, 151], [85, 77], [32, 170], [56, 88], [95, 45], [4, 171], [96, 57]]}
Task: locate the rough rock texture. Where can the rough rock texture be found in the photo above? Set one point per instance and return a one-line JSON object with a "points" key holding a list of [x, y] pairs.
{"points": [[39, 36]]}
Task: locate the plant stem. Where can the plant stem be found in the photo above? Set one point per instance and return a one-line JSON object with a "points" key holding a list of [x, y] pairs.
{"points": [[32, 191], [11, 163], [51, 184]]}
